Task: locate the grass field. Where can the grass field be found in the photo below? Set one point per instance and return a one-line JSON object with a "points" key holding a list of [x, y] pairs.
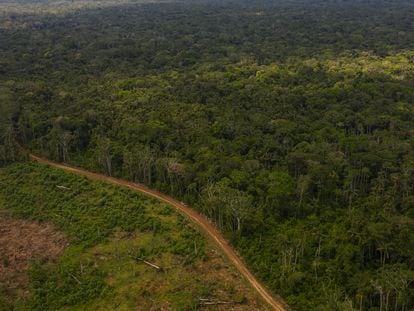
{"points": [[74, 244]]}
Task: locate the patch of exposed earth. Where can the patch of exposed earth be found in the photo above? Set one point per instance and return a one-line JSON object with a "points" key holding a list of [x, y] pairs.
{"points": [[21, 243]]}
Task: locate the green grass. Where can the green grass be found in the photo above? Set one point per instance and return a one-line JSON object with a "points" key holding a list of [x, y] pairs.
{"points": [[107, 226]]}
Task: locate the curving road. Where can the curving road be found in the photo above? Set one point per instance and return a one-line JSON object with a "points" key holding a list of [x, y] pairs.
{"points": [[276, 303]]}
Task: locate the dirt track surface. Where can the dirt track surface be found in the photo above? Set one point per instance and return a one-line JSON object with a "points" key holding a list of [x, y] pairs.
{"points": [[276, 303]]}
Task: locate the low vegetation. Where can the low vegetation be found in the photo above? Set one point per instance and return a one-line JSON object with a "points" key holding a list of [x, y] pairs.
{"points": [[123, 251]]}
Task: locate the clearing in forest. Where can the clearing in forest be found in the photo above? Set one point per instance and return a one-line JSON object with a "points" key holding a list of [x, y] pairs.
{"points": [[21, 243], [68, 243]]}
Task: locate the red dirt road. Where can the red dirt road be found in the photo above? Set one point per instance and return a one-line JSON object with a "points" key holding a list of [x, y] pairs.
{"points": [[276, 303]]}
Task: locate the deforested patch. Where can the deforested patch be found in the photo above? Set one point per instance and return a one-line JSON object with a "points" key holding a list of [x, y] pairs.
{"points": [[21, 243]]}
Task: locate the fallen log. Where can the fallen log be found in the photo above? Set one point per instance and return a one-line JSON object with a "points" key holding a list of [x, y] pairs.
{"points": [[62, 188], [207, 301], [146, 262], [75, 278]]}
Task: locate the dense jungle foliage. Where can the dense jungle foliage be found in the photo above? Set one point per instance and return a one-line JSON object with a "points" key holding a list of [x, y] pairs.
{"points": [[288, 123]]}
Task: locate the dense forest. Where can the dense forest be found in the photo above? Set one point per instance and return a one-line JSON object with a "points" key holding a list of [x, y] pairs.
{"points": [[290, 124]]}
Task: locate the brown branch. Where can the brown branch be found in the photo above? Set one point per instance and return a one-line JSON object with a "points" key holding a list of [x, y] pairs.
{"points": [[75, 278], [207, 301], [146, 262], [62, 188]]}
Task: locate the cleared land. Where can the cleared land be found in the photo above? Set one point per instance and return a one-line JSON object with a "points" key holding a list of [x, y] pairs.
{"points": [[21, 242], [72, 244], [275, 302]]}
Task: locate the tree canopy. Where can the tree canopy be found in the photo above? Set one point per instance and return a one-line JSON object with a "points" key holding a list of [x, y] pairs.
{"points": [[289, 124]]}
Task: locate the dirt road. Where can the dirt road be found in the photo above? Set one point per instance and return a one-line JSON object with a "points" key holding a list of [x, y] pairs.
{"points": [[202, 222]]}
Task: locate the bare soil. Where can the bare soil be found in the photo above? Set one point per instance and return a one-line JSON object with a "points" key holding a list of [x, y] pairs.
{"points": [[21, 243]]}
